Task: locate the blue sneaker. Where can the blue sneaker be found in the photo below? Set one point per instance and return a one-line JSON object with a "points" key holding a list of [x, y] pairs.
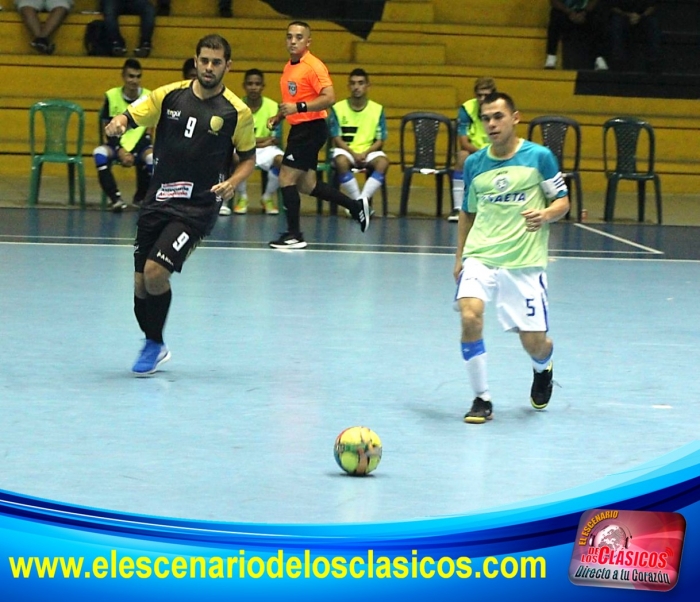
{"points": [[152, 355]]}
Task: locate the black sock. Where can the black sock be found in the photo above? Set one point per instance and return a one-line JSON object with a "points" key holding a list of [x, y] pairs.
{"points": [[108, 183], [141, 312], [158, 306], [292, 203], [326, 192]]}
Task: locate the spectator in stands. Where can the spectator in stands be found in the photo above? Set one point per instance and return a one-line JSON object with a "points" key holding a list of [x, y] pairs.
{"points": [[133, 149], [358, 128], [586, 16], [628, 17], [41, 32], [189, 69], [225, 8], [471, 136], [268, 154], [111, 11]]}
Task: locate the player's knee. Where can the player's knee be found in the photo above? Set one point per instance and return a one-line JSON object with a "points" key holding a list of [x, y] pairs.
{"points": [[288, 176], [155, 278], [342, 165], [536, 344], [472, 321], [102, 156]]}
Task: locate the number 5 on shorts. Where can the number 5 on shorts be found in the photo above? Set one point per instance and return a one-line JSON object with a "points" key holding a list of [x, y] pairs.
{"points": [[530, 307]]}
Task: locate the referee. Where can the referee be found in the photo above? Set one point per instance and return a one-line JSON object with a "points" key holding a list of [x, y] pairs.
{"points": [[307, 91]]}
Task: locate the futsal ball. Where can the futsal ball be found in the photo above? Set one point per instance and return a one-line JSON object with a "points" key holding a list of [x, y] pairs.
{"points": [[358, 450]]}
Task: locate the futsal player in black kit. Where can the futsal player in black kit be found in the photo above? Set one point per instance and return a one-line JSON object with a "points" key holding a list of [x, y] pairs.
{"points": [[199, 123]]}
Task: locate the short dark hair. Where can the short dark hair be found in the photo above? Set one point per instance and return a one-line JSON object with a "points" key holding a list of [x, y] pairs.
{"points": [[250, 72], [501, 96], [300, 23], [215, 42], [131, 64], [187, 66], [359, 73]]}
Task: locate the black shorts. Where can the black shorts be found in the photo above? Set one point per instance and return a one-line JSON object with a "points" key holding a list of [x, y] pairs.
{"points": [[304, 142], [164, 239]]}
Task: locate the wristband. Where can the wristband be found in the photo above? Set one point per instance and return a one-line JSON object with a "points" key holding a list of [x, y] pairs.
{"points": [[301, 107]]}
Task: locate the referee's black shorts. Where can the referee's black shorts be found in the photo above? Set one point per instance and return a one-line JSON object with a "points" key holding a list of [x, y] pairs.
{"points": [[304, 142]]}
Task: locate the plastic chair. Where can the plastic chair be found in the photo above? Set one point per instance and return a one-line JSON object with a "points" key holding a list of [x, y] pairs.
{"points": [[626, 131], [58, 120], [432, 135], [553, 130]]}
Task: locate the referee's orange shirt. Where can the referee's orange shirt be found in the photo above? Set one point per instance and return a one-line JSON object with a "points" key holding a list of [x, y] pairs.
{"points": [[303, 82]]}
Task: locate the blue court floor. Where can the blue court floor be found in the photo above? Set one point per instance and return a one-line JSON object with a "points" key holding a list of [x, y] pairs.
{"points": [[274, 353]]}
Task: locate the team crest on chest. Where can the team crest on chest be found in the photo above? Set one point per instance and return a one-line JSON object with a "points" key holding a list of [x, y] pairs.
{"points": [[215, 124], [501, 182], [292, 87]]}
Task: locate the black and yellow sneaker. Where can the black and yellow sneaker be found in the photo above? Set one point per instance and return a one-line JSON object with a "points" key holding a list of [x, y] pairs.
{"points": [[481, 411], [541, 391]]}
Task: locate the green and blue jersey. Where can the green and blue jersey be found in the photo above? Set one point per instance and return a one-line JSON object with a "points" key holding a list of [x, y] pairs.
{"points": [[498, 191]]}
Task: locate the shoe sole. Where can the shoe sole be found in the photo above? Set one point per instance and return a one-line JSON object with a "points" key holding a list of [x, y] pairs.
{"points": [[477, 419], [155, 369], [298, 245], [538, 406]]}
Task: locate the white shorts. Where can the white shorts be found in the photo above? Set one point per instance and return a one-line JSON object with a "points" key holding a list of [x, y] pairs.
{"points": [[44, 5], [371, 157], [520, 296], [265, 156]]}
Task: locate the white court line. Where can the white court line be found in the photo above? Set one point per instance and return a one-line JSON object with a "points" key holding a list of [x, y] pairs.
{"points": [[363, 246], [363, 251], [620, 239]]}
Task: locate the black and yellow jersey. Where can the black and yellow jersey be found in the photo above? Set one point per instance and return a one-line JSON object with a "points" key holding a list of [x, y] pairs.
{"points": [[194, 144]]}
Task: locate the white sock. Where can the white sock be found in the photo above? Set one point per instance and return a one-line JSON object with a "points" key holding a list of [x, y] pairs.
{"points": [[476, 368], [458, 192], [351, 188], [370, 188], [273, 183]]}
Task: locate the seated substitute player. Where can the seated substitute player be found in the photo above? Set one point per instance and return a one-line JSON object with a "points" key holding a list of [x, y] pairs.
{"points": [[199, 125], [268, 154], [513, 191], [471, 136], [358, 127], [133, 149]]}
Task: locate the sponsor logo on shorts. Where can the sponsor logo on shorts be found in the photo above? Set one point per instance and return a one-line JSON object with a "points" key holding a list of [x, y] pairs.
{"points": [[164, 258], [174, 190], [628, 549]]}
